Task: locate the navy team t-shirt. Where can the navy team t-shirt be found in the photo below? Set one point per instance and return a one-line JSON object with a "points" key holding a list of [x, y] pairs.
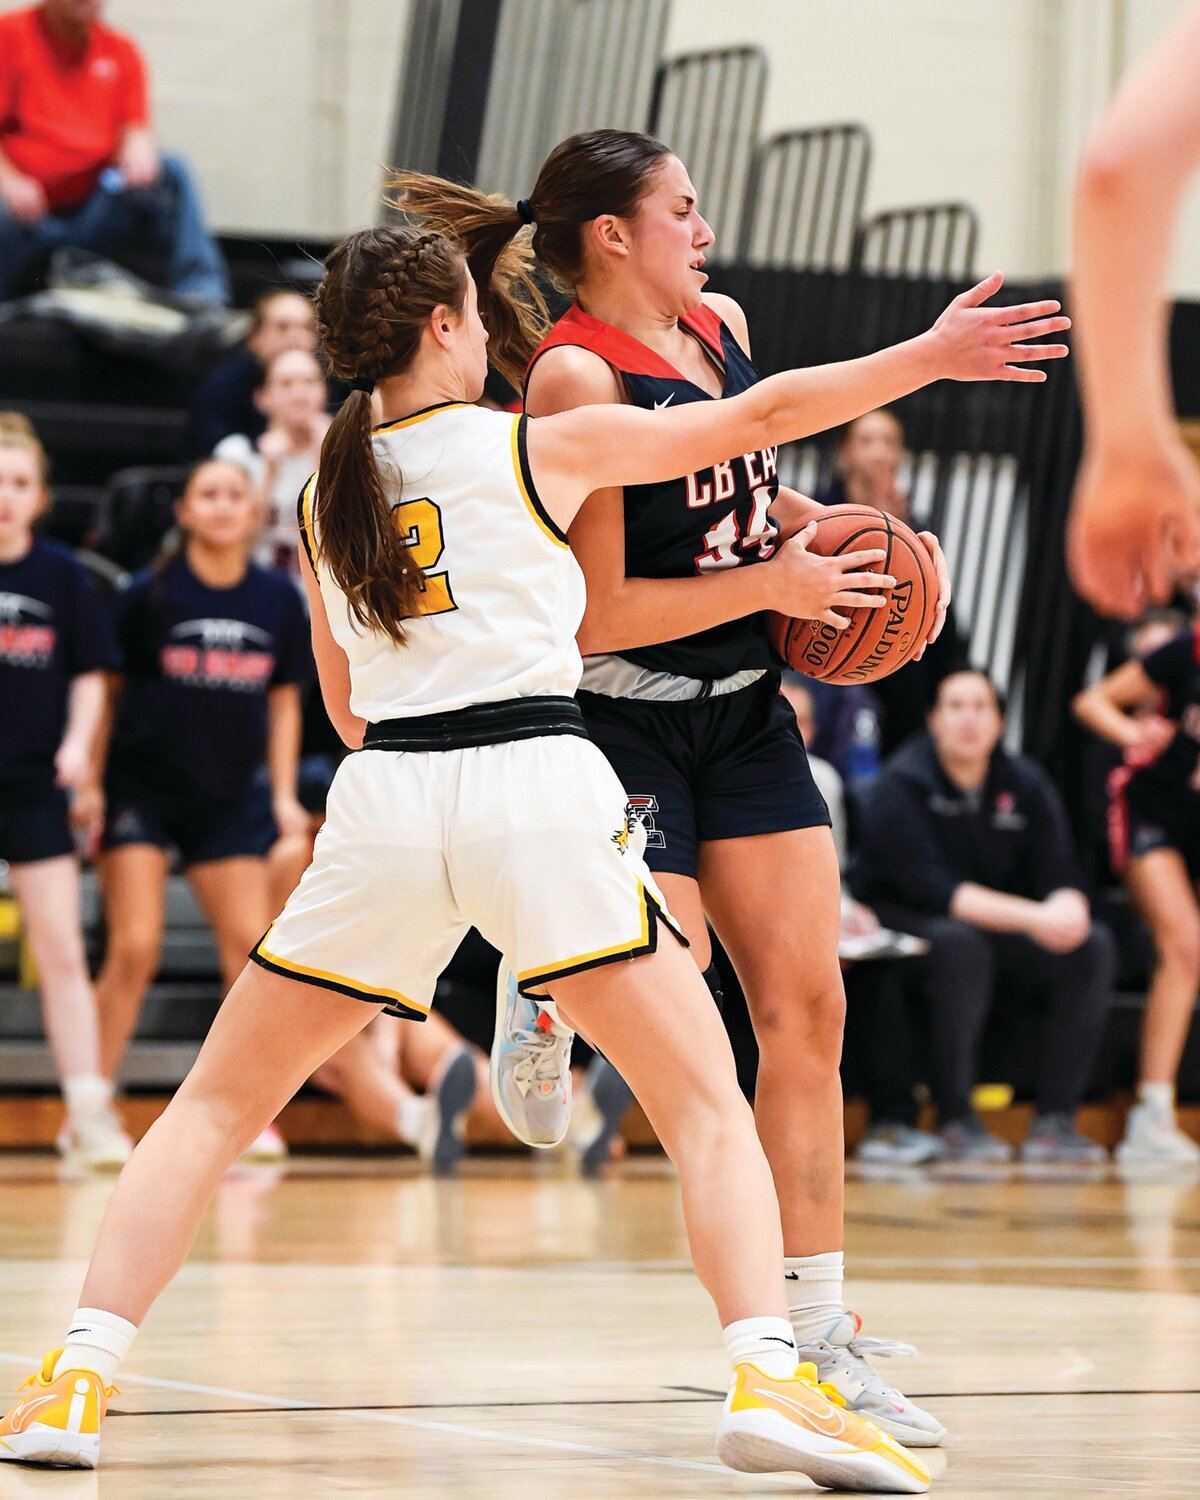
{"points": [[53, 627], [199, 663]]}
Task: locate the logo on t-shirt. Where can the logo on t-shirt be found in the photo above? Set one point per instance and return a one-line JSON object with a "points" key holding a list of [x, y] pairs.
{"points": [[25, 639], [218, 654]]}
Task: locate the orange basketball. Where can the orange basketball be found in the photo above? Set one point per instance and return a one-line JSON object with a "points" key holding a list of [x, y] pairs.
{"points": [[877, 641]]}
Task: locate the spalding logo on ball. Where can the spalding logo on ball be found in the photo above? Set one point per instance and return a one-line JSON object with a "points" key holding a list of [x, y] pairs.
{"points": [[877, 641]]}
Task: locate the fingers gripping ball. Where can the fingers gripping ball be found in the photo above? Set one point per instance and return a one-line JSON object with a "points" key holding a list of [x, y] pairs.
{"points": [[877, 641]]}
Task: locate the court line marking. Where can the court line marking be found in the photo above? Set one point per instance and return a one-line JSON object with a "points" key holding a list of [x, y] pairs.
{"points": [[394, 1419]]}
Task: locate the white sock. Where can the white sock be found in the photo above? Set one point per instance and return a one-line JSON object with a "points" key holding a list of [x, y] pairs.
{"points": [[765, 1342], [1159, 1098], [86, 1093], [813, 1284], [411, 1119], [97, 1341]]}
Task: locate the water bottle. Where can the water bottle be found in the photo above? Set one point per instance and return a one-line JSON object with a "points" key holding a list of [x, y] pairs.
{"points": [[862, 755]]}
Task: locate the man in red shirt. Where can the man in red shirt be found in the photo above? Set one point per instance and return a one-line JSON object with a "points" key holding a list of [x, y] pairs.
{"points": [[78, 161]]}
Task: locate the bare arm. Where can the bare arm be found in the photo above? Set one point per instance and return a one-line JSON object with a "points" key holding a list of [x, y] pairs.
{"points": [[283, 757], [579, 451], [1107, 709], [1136, 518], [85, 711], [624, 612], [994, 911], [333, 670]]}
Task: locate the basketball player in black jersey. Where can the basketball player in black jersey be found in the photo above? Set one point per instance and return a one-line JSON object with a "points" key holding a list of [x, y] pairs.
{"points": [[679, 689]]}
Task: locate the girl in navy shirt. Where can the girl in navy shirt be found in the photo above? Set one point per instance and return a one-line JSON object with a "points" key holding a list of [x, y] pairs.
{"points": [[55, 646], [215, 650]]}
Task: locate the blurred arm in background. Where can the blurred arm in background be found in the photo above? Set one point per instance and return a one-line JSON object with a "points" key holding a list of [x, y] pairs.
{"points": [[1135, 522]]}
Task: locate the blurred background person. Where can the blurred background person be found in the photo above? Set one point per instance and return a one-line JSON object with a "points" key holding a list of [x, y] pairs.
{"points": [[79, 164], [1150, 707], [56, 644], [225, 401], [215, 650], [285, 455], [869, 456], [968, 846]]}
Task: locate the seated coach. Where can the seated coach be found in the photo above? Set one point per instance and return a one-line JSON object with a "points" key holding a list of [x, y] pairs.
{"points": [[968, 846]]}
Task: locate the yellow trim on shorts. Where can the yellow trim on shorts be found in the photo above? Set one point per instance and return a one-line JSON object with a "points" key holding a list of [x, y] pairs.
{"points": [[394, 1001], [634, 947], [528, 493]]}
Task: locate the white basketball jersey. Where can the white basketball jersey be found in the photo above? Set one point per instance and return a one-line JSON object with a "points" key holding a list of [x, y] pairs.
{"points": [[503, 593]]}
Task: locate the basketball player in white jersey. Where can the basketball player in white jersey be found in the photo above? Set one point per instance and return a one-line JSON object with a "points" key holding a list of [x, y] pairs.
{"points": [[445, 604]]}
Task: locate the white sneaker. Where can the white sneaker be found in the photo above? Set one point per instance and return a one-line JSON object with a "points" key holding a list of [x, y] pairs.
{"points": [[1154, 1139], [900, 1146], [530, 1066], [96, 1141], [266, 1148], [841, 1361]]}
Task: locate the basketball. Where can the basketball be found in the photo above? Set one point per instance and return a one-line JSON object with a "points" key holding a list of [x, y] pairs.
{"points": [[877, 642]]}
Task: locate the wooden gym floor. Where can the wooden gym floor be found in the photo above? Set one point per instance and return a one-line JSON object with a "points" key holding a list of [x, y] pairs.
{"points": [[350, 1326]]}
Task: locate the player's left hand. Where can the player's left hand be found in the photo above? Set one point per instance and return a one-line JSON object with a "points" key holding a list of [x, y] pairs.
{"points": [[72, 764], [1134, 528], [945, 593], [291, 817], [973, 342], [87, 809]]}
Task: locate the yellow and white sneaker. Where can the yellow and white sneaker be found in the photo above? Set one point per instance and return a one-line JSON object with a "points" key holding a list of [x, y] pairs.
{"points": [[771, 1426], [58, 1422]]}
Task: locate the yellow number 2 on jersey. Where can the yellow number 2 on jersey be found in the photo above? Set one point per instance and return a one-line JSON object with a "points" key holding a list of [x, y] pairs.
{"points": [[419, 523]]}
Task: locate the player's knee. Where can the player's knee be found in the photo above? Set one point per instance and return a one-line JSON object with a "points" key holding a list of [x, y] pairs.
{"points": [[811, 1014], [133, 955], [1179, 947]]}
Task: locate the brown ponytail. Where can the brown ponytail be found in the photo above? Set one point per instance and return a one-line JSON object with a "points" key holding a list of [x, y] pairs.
{"points": [[511, 304], [379, 288], [598, 172]]}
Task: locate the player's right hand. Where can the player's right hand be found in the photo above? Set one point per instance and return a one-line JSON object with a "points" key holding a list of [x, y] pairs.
{"points": [[1134, 528], [974, 342], [806, 586], [24, 198]]}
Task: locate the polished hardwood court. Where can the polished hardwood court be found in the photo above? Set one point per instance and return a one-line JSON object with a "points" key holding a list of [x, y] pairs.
{"points": [[350, 1326]]}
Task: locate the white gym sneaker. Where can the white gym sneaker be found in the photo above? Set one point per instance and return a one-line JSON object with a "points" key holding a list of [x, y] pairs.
{"points": [[841, 1361], [95, 1142], [1154, 1139], [530, 1067]]}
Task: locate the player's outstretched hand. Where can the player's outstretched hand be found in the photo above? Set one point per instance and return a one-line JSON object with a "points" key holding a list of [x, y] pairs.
{"points": [[1134, 529], [984, 343], [807, 586]]}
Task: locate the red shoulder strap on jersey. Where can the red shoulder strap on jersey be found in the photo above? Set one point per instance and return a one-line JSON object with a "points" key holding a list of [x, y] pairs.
{"points": [[621, 350], [706, 325], [1196, 643]]}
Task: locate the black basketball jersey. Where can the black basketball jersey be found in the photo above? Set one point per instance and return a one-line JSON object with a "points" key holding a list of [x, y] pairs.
{"points": [[716, 518], [1175, 668]]}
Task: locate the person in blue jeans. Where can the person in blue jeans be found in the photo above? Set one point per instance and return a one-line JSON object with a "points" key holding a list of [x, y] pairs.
{"points": [[79, 165]]}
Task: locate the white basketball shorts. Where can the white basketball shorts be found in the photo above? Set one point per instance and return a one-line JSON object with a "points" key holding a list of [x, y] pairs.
{"points": [[528, 841]]}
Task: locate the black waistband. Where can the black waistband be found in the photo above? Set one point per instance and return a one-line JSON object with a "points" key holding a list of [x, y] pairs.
{"points": [[479, 724]]}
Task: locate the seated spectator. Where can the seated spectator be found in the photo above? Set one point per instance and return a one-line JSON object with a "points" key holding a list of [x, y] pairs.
{"points": [[1150, 707], [78, 161], [876, 1019], [226, 400], [870, 452], [292, 398], [968, 846]]}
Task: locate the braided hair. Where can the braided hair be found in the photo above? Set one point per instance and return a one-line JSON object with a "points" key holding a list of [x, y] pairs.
{"points": [[379, 288]]}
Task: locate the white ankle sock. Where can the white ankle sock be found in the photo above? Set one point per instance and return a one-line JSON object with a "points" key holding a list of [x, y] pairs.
{"points": [[813, 1284], [765, 1342], [1159, 1098], [411, 1118], [86, 1093], [97, 1341]]}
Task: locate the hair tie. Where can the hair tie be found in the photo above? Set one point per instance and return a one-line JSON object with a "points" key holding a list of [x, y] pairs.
{"points": [[526, 210], [361, 384]]}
